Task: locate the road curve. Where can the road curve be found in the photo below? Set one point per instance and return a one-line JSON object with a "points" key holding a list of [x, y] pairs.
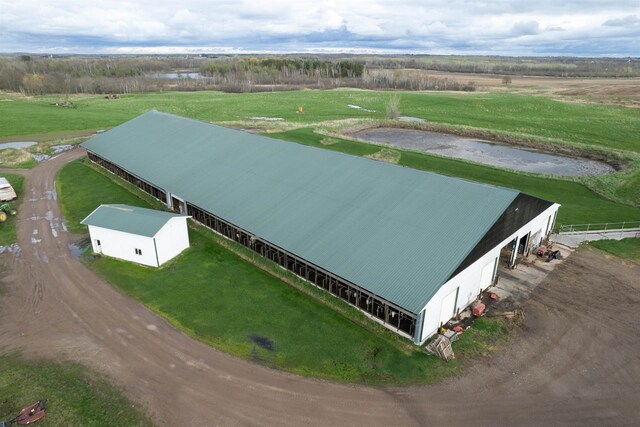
{"points": [[55, 307]]}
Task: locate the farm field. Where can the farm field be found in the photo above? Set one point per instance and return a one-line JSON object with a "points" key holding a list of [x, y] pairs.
{"points": [[239, 308], [605, 90], [606, 198], [612, 127], [74, 395]]}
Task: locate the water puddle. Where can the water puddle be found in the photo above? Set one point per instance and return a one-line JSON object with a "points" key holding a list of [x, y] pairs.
{"points": [[357, 107], [13, 249], [17, 144], [268, 119], [485, 152], [79, 247], [262, 341]]}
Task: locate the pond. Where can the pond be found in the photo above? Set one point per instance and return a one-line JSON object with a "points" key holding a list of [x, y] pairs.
{"points": [[485, 152], [17, 144], [174, 76]]}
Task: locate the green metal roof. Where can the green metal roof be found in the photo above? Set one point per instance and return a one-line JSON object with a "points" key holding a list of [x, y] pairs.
{"points": [[395, 231], [129, 219]]}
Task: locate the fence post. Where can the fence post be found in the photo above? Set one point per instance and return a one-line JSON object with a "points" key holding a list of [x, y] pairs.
{"points": [[588, 225]]}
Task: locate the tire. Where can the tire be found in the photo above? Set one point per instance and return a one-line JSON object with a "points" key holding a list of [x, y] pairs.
{"points": [[3, 216]]}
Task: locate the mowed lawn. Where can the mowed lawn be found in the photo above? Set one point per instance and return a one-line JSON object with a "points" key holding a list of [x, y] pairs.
{"points": [[599, 125], [579, 204], [626, 248], [96, 189], [8, 228], [75, 396], [217, 297]]}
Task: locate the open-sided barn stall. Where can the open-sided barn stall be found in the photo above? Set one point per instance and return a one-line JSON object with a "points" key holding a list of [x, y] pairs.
{"points": [[382, 237]]}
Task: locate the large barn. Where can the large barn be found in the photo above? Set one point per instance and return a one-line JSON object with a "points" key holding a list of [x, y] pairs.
{"points": [[409, 248]]}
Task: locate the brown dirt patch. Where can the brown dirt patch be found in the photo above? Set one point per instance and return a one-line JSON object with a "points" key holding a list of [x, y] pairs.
{"points": [[619, 91]]}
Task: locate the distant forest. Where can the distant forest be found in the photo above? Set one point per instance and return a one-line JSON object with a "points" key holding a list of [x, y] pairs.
{"points": [[39, 75]]}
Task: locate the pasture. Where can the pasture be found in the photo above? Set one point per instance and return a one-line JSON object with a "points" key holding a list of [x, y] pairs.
{"points": [[612, 127]]}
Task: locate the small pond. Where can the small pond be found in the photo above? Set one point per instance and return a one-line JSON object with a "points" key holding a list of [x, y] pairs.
{"points": [[174, 76], [485, 152], [16, 144]]}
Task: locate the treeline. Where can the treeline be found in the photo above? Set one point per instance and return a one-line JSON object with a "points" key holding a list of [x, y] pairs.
{"points": [[251, 74], [285, 67], [38, 75], [538, 66]]}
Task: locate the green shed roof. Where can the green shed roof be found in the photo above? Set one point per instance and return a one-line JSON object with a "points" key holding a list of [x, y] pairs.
{"points": [[398, 232], [129, 219]]}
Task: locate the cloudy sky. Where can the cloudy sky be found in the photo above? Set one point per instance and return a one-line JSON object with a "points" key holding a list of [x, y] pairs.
{"points": [[517, 27]]}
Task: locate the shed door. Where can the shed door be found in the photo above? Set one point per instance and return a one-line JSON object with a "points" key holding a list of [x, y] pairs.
{"points": [[487, 275], [448, 307], [97, 246]]}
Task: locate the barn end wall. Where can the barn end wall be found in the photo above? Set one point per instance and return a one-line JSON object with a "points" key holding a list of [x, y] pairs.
{"points": [[466, 285], [172, 239], [117, 244]]}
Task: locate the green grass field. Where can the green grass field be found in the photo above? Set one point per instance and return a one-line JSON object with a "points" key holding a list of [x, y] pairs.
{"points": [[8, 228], [96, 190], [598, 125], [74, 395], [625, 248], [217, 297], [579, 204]]}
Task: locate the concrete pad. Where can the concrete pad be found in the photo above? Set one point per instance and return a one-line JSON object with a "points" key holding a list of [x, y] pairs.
{"points": [[519, 282], [574, 239]]}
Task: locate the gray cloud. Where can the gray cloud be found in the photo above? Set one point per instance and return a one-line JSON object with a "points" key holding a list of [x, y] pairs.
{"points": [[516, 27], [525, 28], [627, 21]]}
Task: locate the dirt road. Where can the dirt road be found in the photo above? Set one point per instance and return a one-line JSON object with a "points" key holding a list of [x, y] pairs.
{"points": [[576, 362]]}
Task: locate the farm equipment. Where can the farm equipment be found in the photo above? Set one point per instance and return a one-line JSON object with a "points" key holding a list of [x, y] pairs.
{"points": [[7, 193], [5, 210], [28, 415], [478, 309]]}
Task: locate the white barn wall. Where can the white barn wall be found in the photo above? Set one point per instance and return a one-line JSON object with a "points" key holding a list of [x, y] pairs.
{"points": [[118, 244], [468, 280], [172, 239]]}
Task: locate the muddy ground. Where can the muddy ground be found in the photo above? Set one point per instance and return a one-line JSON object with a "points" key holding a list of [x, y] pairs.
{"points": [[575, 361]]}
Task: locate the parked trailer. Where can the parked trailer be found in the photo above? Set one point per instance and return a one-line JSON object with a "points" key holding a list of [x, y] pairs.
{"points": [[7, 193]]}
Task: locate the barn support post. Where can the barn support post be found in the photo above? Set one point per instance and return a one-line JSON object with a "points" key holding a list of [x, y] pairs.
{"points": [[514, 252], [417, 334]]}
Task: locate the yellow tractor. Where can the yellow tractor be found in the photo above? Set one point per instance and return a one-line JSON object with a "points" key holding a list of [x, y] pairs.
{"points": [[5, 210]]}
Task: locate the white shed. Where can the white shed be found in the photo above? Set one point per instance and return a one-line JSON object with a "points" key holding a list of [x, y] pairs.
{"points": [[140, 235]]}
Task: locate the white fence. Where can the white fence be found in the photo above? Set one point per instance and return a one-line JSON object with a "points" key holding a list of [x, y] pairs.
{"points": [[595, 227]]}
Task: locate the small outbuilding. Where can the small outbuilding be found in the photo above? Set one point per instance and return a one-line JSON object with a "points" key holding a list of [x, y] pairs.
{"points": [[140, 235]]}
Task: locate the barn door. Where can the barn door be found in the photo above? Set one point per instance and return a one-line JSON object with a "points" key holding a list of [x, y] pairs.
{"points": [[177, 205], [98, 246], [486, 277], [448, 307]]}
